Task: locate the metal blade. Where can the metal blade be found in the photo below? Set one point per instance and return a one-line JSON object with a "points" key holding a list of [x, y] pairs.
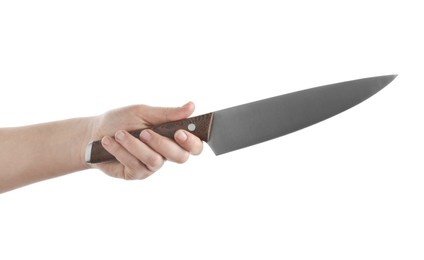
{"points": [[245, 125]]}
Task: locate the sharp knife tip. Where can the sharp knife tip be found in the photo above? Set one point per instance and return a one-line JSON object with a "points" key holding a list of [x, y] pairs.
{"points": [[388, 79]]}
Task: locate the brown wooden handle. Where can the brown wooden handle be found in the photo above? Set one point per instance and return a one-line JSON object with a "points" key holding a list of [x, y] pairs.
{"points": [[200, 126]]}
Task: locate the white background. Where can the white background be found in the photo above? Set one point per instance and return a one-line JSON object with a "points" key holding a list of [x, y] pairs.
{"points": [[351, 187]]}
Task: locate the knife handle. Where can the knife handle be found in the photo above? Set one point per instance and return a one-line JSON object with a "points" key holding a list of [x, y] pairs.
{"points": [[200, 126]]}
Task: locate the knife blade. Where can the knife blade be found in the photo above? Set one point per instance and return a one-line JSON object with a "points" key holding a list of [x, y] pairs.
{"points": [[241, 126]]}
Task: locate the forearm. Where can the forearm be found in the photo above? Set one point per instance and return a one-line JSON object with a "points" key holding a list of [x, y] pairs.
{"points": [[38, 152]]}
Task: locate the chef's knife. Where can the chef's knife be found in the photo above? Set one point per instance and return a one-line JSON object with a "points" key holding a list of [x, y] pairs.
{"points": [[245, 125]]}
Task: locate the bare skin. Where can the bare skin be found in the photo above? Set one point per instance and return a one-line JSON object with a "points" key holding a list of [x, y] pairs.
{"points": [[35, 153]]}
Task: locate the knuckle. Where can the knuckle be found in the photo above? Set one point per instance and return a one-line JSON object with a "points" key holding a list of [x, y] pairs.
{"points": [[139, 110], [154, 161], [133, 166], [113, 147], [153, 139], [196, 152], [196, 149], [182, 157], [160, 141], [143, 175], [166, 113], [130, 175]]}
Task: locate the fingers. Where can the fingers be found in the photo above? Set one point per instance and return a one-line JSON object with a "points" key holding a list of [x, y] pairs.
{"points": [[150, 158], [164, 146], [138, 160], [142, 159]]}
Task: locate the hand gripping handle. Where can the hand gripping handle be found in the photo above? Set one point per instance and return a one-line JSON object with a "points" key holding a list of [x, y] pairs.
{"points": [[200, 126]]}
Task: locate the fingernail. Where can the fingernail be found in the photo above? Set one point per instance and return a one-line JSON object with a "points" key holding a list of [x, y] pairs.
{"points": [[181, 136], [187, 104], [119, 136], [145, 135], [106, 141]]}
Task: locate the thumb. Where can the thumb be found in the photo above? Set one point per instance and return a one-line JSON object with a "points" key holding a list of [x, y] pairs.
{"points": [[159, 115]]}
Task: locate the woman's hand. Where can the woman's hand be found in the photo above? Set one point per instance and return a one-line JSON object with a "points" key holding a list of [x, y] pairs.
{"points": [[138, 158]]}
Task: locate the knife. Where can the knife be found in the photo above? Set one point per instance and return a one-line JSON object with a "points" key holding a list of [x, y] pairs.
{"points": [[252, 123]]}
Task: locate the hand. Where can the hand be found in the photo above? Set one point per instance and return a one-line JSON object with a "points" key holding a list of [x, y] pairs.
{"points": [[138, 158]]}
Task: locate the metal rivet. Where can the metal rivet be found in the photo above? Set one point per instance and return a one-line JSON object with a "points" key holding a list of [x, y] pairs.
{"points": [[191, 127]]}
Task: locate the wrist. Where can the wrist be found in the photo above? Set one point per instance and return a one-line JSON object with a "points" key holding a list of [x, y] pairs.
{"points": [[86, 133]]}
